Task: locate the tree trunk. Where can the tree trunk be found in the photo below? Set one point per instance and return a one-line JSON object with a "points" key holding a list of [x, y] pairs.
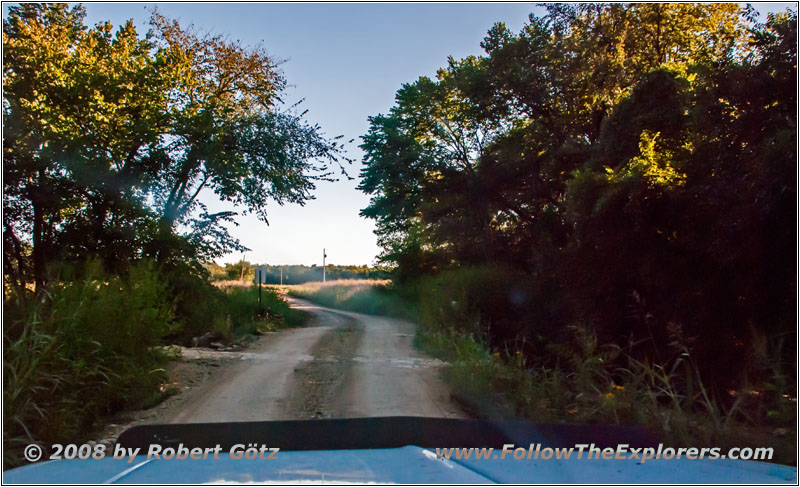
{"points": [[38, 246], [20, 272]]}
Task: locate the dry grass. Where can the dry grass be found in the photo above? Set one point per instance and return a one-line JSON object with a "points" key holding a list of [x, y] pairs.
{"points": [[370, 296], [354, 284], [232, 283]]}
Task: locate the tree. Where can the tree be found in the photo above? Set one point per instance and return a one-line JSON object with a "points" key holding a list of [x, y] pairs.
{"points": [[226, 134], [502, 134], [109, 140]]}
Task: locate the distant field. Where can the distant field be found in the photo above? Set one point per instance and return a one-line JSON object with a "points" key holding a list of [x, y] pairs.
{"points": [[360, 295], [352, 285], [231, 283]]}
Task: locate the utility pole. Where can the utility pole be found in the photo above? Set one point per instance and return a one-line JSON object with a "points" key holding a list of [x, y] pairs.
{"points": [[323, 264], [241, 278], [281, 276]]}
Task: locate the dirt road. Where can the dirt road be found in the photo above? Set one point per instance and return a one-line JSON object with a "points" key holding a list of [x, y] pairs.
{"points": [[342, 365]]}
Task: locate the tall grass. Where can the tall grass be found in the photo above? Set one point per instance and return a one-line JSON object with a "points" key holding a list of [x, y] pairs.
{"points": [[81, 350], [671, 401], [243, 315], [91, 345], [574, 377]]}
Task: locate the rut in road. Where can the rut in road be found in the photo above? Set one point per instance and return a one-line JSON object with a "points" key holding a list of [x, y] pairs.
{"points": [[343, 365], [320, 380]]}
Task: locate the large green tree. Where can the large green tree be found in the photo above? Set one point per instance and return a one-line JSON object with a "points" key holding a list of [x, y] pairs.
{"points": [[495, 138], [110, 138]]}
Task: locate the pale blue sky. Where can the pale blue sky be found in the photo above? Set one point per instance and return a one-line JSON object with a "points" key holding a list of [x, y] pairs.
{"points": [[347, 61]]}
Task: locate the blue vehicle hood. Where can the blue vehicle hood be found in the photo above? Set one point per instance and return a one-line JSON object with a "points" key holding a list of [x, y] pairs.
{"points": [[405, 465], [388, 450]]}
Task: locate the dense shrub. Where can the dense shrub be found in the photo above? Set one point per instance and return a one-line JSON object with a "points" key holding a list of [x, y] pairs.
{"points": [[242, 313], [198, 305], [497, 305], [92, 344]]}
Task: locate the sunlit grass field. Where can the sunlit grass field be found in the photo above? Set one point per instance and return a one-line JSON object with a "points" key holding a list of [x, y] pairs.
{"points": [[360, 295]]}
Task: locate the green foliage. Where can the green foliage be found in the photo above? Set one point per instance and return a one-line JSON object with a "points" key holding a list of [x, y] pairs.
{"points": [[93, 344], [86, 348], [589, 386], [628, 166], [560, 373], [109, 138], [244, 271], [232, 311], [243, 315], [198, 304]]}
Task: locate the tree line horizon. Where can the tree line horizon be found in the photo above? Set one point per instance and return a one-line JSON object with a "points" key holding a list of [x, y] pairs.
{"points": [[294, 273]]}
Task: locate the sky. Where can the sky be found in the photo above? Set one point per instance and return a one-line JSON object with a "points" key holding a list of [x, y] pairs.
{"points": [[346, 61]]}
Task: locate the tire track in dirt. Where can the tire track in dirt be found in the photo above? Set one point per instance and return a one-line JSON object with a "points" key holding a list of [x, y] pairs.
{"points": [[342, 365], [261, 383], [318, 382]]}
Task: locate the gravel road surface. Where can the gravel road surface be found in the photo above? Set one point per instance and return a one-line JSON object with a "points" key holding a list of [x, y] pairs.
{"points": [[343, 365]]}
